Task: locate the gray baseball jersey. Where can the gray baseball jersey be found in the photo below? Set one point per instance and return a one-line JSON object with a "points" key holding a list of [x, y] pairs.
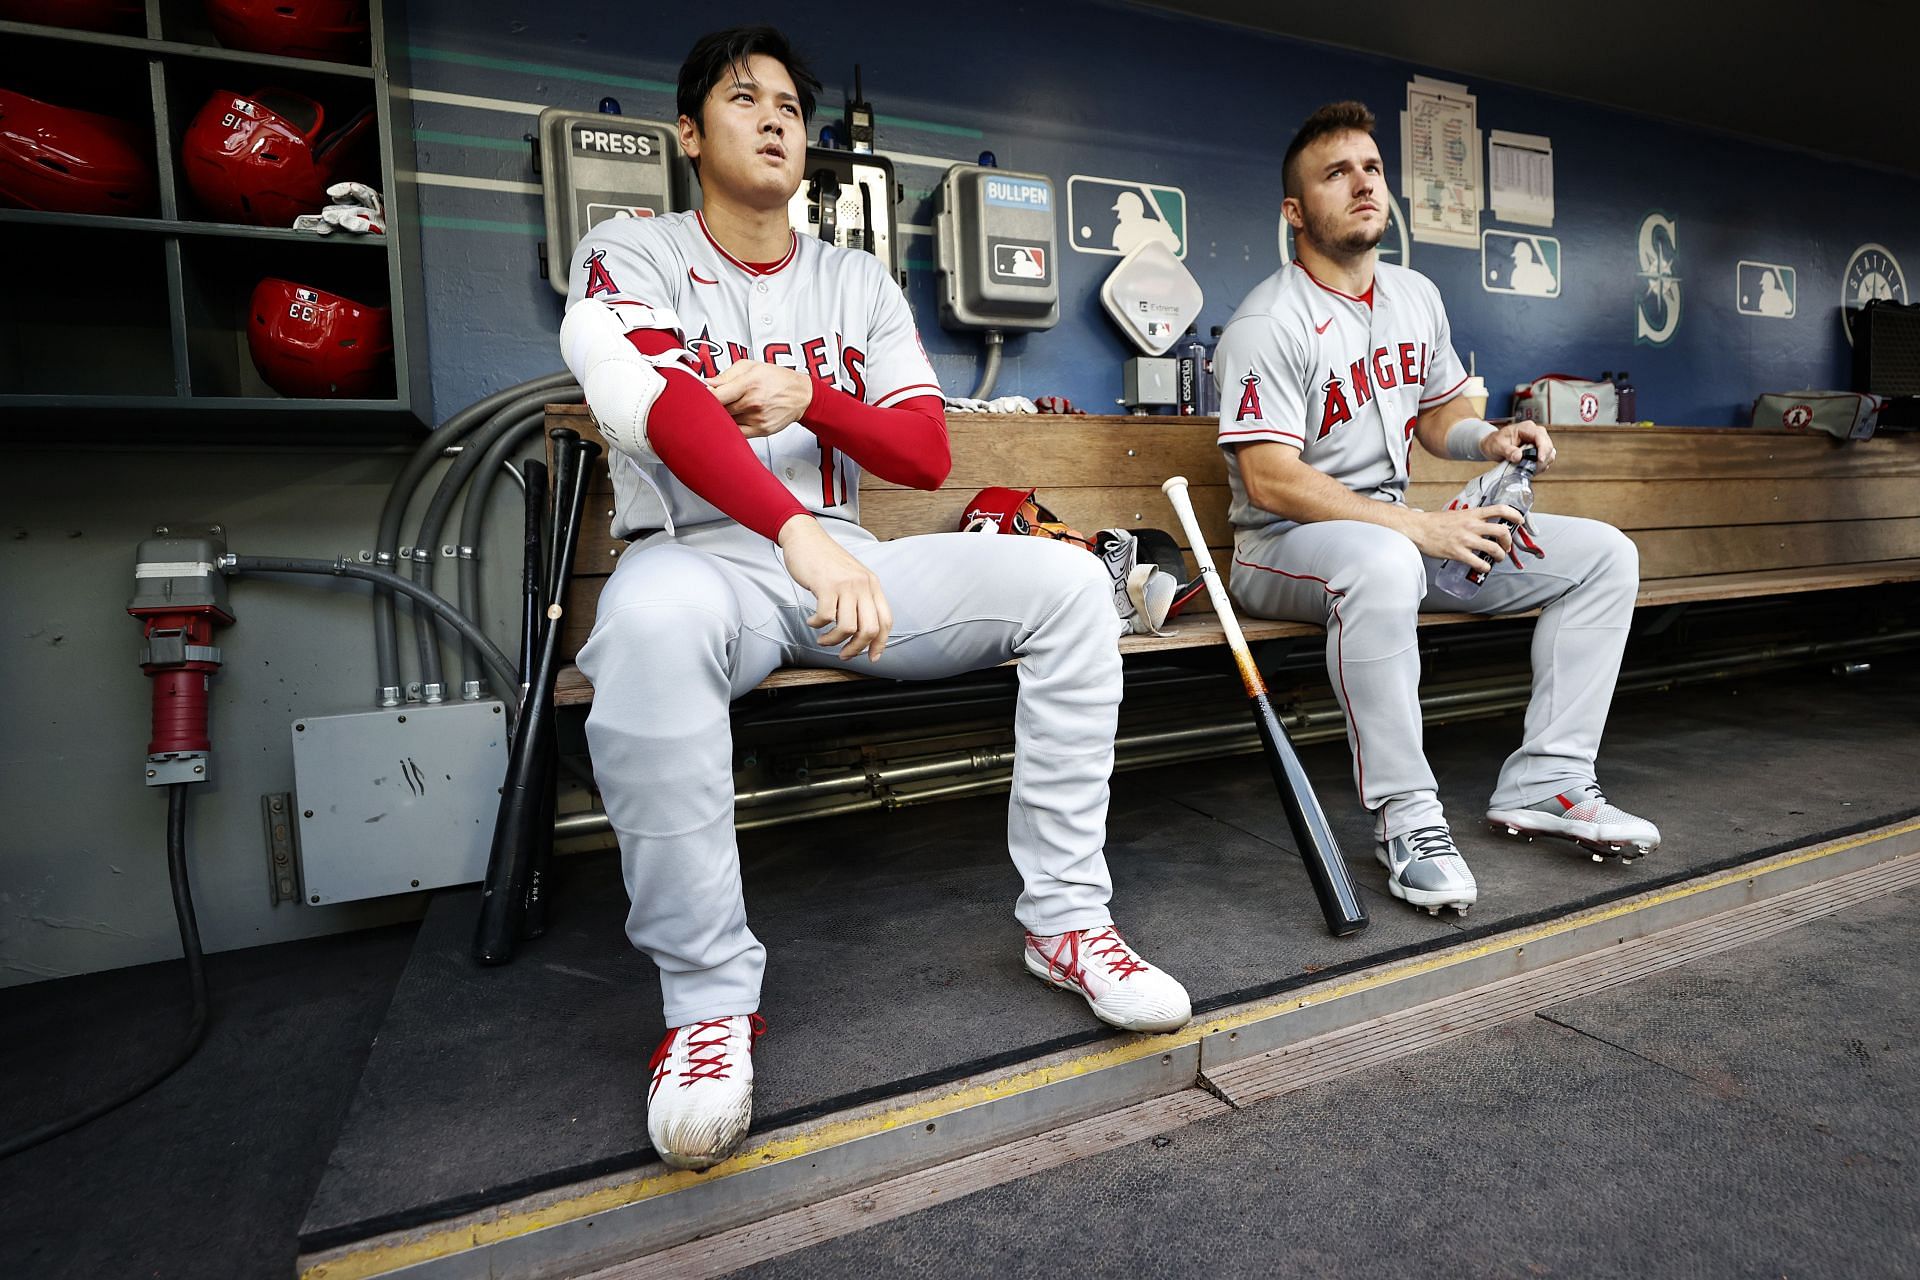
{"points": [[833, 314], [1340, 378]]}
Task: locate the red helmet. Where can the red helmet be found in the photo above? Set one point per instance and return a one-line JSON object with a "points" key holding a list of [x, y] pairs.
{"points": [[1016, 511], [127, 17], [69, 161], [261, 157], [325, 29], [312, 344]]}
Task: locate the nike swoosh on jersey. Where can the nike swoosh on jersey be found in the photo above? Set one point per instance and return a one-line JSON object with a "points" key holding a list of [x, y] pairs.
{"points": [[697, 278], [1322, 326]]}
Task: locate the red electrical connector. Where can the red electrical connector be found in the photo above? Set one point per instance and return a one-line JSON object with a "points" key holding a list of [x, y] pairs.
{"points": [[181, 596]]}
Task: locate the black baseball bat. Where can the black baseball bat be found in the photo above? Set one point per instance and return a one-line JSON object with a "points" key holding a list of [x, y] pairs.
{"points": [[503, 894], [534, 601], [1339, 903]]}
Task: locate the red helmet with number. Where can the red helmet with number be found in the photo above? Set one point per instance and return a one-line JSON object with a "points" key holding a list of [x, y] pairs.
{"points": [[68, 161], [312, 344], [326, 29], [127, 17], [263, 157]]}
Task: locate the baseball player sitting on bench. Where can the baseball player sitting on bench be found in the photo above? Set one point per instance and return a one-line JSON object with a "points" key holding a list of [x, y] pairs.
{"points": [[1328, 371], [744, 377]]}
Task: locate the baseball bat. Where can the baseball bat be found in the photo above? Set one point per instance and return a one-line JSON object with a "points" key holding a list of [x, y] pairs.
{"points": [[533, 917], [515, 836], [1339, 904]]}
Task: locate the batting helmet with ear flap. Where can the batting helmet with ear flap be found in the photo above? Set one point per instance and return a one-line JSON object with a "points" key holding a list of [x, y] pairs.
{"points": [[312, 344], [324, 29], [263, 157], [67, 161]]}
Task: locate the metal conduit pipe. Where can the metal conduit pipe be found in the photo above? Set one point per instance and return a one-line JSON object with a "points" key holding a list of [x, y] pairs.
{"points": [[472, 514], [1323, 722], [386, 541]]}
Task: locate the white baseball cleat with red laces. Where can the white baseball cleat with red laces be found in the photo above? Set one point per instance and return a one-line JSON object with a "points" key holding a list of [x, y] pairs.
{"points": [[701, 1098], [1122, 988], [1583, 816]]}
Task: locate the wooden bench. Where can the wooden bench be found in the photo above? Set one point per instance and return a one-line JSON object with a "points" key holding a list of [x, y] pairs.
{"points": [[1717, 513]]}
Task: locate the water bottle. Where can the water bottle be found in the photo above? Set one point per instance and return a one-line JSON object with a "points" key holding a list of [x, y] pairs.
{"points": [[1628, 396], [1515, 488], [1192, 355], [1209, 389]]}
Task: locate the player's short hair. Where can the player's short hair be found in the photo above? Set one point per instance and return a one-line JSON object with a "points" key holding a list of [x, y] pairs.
{"points": [[1335, 117], [717, 54]]}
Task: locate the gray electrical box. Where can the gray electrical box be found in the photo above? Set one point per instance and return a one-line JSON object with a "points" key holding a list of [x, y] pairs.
{"points": [[848, 199], [995, 249], [594, 167], [396, 800]]}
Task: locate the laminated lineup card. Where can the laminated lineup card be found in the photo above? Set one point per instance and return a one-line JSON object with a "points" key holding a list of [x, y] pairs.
{"points": [[1440, 163]]}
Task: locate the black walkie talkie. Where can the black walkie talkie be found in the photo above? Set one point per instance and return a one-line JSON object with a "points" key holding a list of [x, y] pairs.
{"points": [[858, 119]]}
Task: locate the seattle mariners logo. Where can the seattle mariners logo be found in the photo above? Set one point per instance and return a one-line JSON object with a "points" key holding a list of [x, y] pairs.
{"points": [[1656, 315], [1872, 276]]}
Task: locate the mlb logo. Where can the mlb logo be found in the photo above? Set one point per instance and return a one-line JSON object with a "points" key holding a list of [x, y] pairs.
{"points": [[1020, 261], [243, 106], [306, 295]]}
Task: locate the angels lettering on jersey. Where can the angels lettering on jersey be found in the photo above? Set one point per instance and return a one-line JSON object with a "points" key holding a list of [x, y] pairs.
{"points": [[1344, 393]]}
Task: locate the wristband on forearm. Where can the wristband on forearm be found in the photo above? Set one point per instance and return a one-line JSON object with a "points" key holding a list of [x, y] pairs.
{"points": [[1465, 437]]}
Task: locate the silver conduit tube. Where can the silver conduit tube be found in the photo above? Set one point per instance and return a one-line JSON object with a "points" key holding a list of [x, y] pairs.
{"points": [[387, 540], [479, 460], [990, 374], [985, 770]]}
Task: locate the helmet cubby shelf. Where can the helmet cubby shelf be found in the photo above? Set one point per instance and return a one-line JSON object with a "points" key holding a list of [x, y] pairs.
{"points": [[208, 127]]}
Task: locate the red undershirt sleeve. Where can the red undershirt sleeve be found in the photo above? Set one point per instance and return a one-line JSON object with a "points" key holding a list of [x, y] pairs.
{"points": [[904, 444], [701, 444]]}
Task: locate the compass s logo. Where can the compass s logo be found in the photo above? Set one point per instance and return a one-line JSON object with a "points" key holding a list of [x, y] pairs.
{"points": [[1873, 275], [1656, 306]]}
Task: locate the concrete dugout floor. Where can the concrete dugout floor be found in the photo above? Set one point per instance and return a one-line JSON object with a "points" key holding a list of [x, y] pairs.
{"points": [[894, 959]]}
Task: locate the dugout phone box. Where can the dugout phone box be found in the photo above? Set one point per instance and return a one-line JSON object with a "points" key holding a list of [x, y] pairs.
{"points": [[996, 250], [848, 198], [594, 167]]}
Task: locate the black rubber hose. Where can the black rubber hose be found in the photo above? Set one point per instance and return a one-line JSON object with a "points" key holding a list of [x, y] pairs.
{"points": [[196, 983], [502, 669], [386, 648], [478, 446]]}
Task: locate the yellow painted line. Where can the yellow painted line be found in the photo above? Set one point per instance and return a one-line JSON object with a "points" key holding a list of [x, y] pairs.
{"points": [[376, 1259]]}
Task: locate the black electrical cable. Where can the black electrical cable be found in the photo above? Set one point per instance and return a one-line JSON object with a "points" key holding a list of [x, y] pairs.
{"points": [[196, 981], [502, 668]]}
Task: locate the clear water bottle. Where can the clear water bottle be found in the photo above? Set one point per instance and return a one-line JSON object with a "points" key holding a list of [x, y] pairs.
{"points": [[1192, 357], [1209, 389], [1515, 489]]}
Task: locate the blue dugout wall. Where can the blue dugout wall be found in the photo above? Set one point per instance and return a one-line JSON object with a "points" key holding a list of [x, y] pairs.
{"points": [[1115, 91]]}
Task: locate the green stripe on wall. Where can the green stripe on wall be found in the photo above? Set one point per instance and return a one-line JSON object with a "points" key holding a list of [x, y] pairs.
{"points": [[483, 224], [470, 140], [536, 69], [425, 54]]}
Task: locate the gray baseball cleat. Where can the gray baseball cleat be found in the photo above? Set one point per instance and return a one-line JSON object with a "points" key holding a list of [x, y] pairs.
{"points": [[1582, 815], [1424, 869]]}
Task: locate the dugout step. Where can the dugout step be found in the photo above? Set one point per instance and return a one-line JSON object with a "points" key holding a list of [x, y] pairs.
{"points": [[894, 985]]}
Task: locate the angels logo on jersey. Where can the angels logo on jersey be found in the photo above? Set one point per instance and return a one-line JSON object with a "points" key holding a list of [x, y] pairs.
{"points": [[599, 279], [1249, 399]]}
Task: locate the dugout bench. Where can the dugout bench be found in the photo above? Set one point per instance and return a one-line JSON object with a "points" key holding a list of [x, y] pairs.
{"points": [[1718, 513]]}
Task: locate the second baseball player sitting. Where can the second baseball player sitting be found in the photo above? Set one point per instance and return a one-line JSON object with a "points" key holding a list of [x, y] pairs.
{"points": [[1328, 372], [744, 377]]}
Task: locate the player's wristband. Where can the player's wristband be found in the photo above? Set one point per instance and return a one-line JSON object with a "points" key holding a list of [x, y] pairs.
{"points": [[1465, 437]]}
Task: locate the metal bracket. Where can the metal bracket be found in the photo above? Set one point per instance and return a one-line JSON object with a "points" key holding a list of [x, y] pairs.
{"points": [[283, 871]]}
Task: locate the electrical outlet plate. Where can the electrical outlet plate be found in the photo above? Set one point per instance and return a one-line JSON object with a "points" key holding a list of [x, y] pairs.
{"points": [[397, 800]]}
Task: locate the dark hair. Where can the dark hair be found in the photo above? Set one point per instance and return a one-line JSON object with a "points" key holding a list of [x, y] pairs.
{"points": [[717, 54], [1335, 117]]}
